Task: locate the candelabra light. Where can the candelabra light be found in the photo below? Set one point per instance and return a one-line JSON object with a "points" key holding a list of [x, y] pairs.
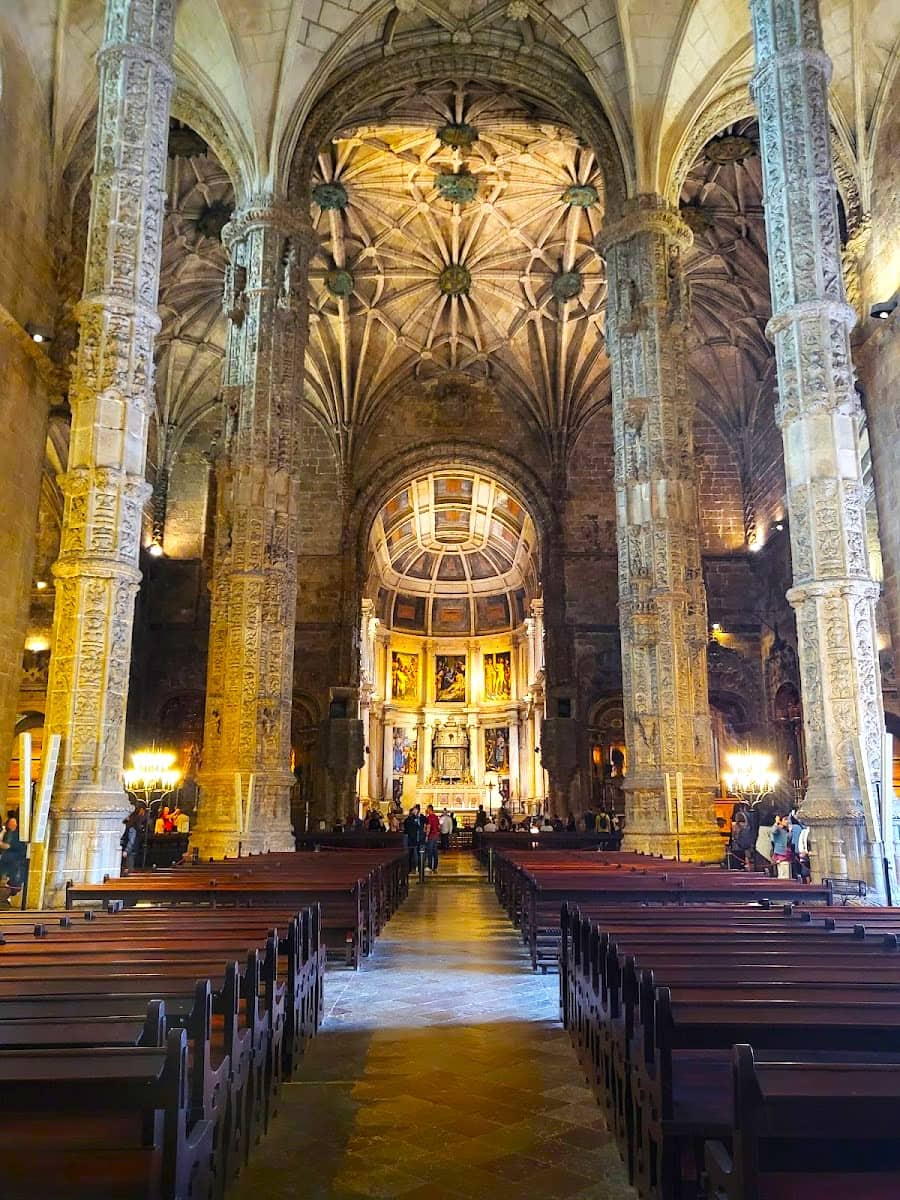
{"points": [[152, 771], [750, 775]]}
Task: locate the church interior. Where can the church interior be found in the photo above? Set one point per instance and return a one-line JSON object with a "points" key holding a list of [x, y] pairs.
{"points": [[491, 405]]}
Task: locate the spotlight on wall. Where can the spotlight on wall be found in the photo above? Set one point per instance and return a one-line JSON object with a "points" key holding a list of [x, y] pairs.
{"points": [[884, 308], [39, 334]]}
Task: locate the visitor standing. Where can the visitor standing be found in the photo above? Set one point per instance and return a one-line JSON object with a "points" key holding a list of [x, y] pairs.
{"points": [[446, 823], [480, 817], [414, 835], [432, 837]]}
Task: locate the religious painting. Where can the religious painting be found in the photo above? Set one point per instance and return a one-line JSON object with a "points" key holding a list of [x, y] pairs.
{"points": [[405, 752], [498, 675], [409, 612], [450, 679], [404, 676], [450, 615], [492, 612], [496, 750]]}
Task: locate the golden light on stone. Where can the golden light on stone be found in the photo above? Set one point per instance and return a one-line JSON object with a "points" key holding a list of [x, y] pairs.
{"points": [[750, 774], [152, 771]]}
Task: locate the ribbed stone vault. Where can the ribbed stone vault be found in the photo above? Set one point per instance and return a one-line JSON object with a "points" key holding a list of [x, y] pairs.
{"points": [[457, 235]]}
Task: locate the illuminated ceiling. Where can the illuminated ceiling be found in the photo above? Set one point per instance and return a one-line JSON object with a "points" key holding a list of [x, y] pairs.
{"points": [[457, 234], [453, 553]]}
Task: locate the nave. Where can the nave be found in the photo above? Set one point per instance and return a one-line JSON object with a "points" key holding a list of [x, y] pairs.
{"points": [[441, 1071]]}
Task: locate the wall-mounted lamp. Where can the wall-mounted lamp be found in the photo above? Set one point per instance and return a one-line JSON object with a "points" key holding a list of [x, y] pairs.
{"points": [[37, 643], [41, 585], [779, 525], [155, 550], [716, 627], [884, 308], [39, 334]]}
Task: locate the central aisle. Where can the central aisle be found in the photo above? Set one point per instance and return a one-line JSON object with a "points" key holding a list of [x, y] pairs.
{"points": [[441, 1071]]}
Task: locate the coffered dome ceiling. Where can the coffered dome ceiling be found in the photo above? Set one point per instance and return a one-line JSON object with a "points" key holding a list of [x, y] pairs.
{"points": [[457, 232], [453, 553]]}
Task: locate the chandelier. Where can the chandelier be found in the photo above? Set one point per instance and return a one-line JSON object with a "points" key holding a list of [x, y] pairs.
{"points": [[750, 775], [152, 771]]}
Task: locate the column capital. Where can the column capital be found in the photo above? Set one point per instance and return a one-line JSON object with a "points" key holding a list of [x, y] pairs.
{"points": [[265, 211], [646, 213]]}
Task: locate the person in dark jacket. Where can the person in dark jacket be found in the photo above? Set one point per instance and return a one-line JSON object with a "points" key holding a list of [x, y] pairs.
{"points": [[414, 834], [129, 842], [12, 854]]}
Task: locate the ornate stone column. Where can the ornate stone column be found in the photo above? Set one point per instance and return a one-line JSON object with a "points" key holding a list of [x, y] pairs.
{"points": [[254, 585], [426, 743], [111, 391], [833, 594], [387, 761], [662, 601]]}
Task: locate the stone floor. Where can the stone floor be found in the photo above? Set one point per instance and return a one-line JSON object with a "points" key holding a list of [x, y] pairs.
{"points": [[441, 1071]]}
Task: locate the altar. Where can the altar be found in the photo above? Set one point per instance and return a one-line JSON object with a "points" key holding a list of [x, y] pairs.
{"points": [[461, 799], [450, 783]]}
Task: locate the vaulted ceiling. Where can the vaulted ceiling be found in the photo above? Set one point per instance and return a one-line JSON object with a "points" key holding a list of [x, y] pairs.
{"points": [[457, 235]]}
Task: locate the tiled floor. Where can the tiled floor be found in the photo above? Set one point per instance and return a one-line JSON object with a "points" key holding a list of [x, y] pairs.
{"points": [[441, 1071]]}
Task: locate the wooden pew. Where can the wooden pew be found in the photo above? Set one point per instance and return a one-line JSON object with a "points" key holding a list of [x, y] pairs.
{"points": [[827, 1128], [146, 1088]]}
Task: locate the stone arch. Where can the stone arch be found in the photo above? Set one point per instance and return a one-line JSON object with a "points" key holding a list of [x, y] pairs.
{"points": [[433, 455], [566, 92], [732, 106]]}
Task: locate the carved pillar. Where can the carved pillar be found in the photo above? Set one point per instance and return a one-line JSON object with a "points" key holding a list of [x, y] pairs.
{"points": [[818, 411], [111, 397], [514, 782], [376, 791], [426, 743], [387, 762], [662, 600], [254, 585]]}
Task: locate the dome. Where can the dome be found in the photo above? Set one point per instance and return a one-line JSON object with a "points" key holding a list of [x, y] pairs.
{"points": [[453, 554]]}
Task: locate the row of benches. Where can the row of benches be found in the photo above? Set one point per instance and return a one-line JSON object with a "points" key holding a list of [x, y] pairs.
{"points": [[143, 1057], [532, 885], [358, 889], [741, 1053], [143, 1045]]}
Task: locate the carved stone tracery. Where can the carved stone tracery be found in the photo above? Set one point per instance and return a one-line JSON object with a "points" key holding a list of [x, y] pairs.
{"points": [[833, 594], [111, 397], [662, 601], [254, 587]]}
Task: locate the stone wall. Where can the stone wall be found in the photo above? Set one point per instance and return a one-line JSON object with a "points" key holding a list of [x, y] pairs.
{"points": [[23, 409]]}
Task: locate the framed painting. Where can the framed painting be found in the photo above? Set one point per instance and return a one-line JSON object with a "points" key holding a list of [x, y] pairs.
{"points": [[404, 676], [496, 750], [498, 675], [450, 679]]}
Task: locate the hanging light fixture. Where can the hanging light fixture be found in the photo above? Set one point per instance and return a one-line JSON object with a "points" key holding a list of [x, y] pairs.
{"points": [[152, 771], [750, 775]]}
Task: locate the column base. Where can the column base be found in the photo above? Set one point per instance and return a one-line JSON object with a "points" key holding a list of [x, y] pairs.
{"points": [[216, 833], [702, 846], [84, 844], [840, 847]]}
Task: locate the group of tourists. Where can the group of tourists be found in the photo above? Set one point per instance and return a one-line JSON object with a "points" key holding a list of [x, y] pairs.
{"points": [[137, 830], [422, 835], [765, 839], [538, 822]]}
